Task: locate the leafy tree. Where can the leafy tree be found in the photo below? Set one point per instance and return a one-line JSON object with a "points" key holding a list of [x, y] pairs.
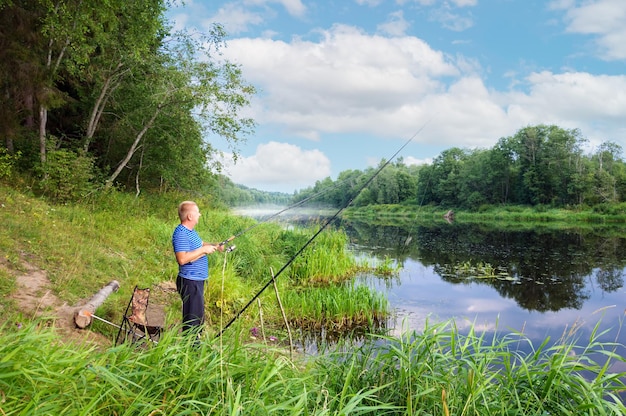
{"points": [[111, 80]]}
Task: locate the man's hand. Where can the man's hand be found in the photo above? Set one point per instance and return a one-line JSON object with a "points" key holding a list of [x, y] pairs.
{"points": [[212, 247]]}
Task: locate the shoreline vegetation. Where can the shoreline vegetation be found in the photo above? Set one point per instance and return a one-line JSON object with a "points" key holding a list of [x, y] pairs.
{"points": [[498, 216], [113, 235]]}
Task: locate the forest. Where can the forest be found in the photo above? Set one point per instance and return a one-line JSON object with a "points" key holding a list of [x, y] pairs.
{"points": [[108, 94], [539, 166]]}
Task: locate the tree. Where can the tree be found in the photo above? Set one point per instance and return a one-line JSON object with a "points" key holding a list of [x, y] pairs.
{"points": [[445, 178], [71, 32], [111, 80], [547, 157], [131, 38], [20, 71], [187, 76]]}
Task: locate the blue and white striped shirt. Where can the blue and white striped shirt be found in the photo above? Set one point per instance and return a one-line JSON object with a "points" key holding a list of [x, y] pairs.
{"points": [[185, 239]]}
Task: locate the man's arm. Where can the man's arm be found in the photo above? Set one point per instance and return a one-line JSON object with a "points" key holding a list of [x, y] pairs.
{"points": [[184, 257]]}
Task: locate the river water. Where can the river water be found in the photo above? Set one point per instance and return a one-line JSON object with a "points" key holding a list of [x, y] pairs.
{"points": [[544, 282]]}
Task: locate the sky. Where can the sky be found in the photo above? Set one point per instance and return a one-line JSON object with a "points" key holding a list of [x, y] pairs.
{"points": [[343, 84]]}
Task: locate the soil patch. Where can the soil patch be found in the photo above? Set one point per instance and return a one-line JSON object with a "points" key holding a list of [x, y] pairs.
{"points": [[35, 299]]}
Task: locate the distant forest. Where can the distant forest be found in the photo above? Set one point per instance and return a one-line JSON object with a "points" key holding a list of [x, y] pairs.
{"points": [[538, 166]]}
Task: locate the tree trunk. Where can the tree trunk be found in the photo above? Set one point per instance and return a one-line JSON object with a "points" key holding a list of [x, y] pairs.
{"points": [[82, 315], [43, 119], [132, 150], [110, 84]]}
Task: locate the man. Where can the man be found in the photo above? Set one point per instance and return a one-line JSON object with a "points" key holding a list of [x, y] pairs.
{"points": [[193, 265]]}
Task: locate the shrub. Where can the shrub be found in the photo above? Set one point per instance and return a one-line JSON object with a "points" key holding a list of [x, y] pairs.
{"points": [[7, 161], [66, 175]]}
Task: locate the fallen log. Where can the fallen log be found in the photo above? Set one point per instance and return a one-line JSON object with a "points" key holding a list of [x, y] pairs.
{"points": [[82, 315]]}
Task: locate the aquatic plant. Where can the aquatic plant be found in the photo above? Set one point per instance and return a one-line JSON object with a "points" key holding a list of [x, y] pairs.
{"points": [[336, 307]]}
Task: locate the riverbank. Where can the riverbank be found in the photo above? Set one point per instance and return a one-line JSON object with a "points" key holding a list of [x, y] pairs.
{"points": [[82, 247], [608, 215]]}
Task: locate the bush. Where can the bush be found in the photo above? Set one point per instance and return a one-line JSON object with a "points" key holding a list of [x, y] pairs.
{"points": [[7, 161], [610, 209], [66, 175]]}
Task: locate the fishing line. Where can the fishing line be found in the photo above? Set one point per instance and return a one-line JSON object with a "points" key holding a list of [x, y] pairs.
{"points": [[296, 205], [273, 216], [331, 219]]}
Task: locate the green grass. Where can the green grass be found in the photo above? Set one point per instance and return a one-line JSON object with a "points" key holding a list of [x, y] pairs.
{"points": [[115, 236], [335, 308], [435, 372]]}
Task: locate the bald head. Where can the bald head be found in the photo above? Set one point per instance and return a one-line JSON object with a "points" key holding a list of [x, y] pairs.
{"points": [[185, 208]]}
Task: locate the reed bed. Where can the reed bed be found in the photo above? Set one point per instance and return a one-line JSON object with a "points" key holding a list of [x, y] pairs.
{"points": [[325, 260], [441, 372], [434, 372], [336, 307]]}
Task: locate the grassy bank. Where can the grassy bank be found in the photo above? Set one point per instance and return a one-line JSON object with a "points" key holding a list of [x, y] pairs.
{"points": [[498, 216], [82, 247], [114, 236]]}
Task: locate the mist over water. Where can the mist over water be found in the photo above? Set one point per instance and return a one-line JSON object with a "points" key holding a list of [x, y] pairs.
{"points": [[281, 214]]}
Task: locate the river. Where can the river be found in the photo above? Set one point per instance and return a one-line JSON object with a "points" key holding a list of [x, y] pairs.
{"points": [[543, 282]]}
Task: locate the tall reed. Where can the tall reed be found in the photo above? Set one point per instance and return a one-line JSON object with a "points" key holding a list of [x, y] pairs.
{"points": [[436, 372], [443, 372], [336, 307]]}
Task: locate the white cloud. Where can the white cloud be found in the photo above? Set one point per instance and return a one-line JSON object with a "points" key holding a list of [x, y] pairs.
{"points": [[341, 85], [279, 166], [452, 21], [595, 104], [293, 7], [395, 25], [239, 16], [410, 161], [604, 18], [579, 95], [236, 18]]}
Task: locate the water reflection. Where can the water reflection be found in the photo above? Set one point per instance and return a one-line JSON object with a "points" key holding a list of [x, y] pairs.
{"points": [[548, 270], [561, 285], [559, 282]]}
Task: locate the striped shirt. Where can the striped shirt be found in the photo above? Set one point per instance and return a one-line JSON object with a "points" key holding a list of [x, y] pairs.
{"points": [[185, 239]]}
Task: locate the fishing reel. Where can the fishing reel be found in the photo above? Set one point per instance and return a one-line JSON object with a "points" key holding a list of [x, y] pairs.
{"points": [[228, 248]]}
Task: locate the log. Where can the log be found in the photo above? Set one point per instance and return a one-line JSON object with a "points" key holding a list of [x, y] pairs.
{"points": [[82, 315]]}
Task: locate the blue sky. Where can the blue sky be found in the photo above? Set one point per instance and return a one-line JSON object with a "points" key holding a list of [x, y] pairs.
{"points": [[343, 84]]}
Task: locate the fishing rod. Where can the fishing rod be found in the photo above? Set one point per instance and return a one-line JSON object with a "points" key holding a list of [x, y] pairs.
{"points": [[331, 219]]}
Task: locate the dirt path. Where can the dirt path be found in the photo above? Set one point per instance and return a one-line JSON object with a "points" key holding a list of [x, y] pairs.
{"points": [[34, 298]]}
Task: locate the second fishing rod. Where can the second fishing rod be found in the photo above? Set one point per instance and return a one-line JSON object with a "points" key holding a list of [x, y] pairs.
{"points": [[227, 242], [324, 225]]}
